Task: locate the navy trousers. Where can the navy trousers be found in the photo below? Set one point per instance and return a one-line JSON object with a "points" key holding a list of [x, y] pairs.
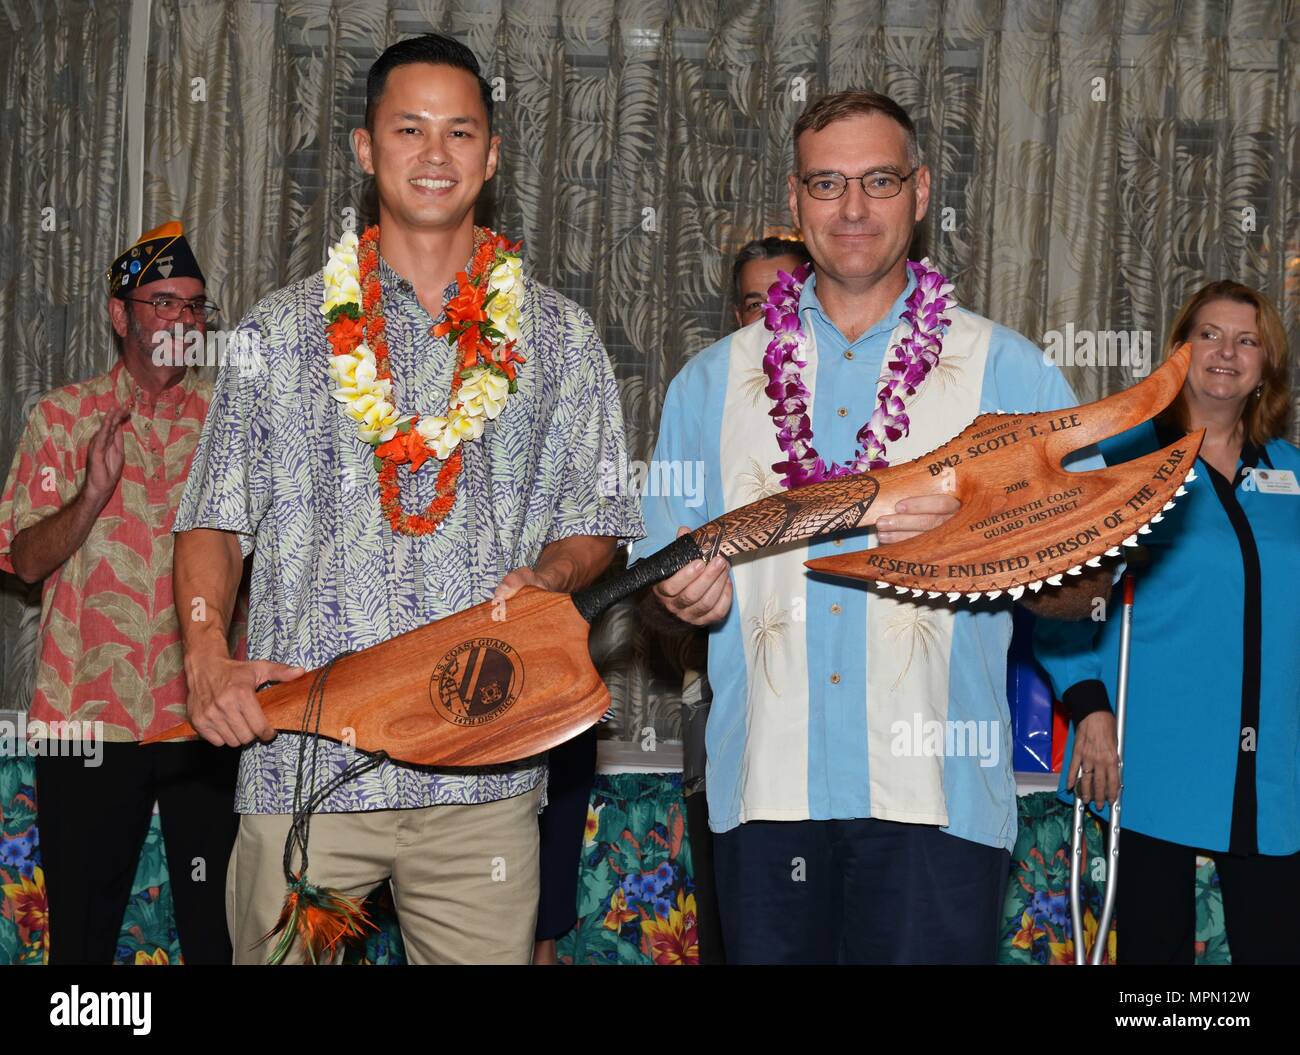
{"points": [[92, 822], [857, 891], [560, 831]]}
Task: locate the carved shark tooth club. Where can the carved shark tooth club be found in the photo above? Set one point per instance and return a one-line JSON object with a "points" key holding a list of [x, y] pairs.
{"points": [[1022, 513]]}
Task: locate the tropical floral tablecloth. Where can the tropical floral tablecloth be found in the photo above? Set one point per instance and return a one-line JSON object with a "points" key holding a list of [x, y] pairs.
{"points": [[636, 893]]}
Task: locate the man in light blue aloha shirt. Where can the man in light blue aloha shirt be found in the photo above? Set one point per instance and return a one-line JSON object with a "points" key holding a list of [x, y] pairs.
{"points": [[281, 472], [839, 836]]}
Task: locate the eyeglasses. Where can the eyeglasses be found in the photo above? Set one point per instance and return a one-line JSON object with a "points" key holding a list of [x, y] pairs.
{"points": [[827, 186], [171, 308]]}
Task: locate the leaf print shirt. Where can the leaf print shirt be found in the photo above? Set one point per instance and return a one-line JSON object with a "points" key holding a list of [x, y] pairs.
{"points": [[110, 648], [282, 466]]}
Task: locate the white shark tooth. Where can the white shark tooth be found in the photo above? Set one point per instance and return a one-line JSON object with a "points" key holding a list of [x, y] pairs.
{"points": [[1036, 585], [931, 595], [900, 589], [973, 596], [1191, 475], [881, 584], [1016, 592], [1054, 580], [1180, 492], [1132, 540], [993, 595], [1113, 551], [953, 598], [1145, 529], [1168, 506], [917, 593], [1093, 562], [1157, 518], [1076, 570]]}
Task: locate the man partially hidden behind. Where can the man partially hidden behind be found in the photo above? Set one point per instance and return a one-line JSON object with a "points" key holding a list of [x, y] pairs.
{"points": [[491, 490], [755, 269], [840, 835], [88, 510]]}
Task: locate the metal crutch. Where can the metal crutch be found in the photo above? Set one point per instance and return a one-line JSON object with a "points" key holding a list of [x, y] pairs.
{"points": [[1078, 844]]}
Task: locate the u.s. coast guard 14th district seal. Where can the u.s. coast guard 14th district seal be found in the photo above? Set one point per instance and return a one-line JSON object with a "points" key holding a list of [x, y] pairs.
{"points": [[477, 681]]}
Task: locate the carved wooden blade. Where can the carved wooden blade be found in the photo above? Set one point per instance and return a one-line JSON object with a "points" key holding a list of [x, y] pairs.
{"points": [[1024, 519], [475, 690], [1022, 452], [470, 690]]}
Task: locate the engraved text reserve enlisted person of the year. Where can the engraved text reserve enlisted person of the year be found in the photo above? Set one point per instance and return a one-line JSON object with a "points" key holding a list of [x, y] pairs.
{"points": [[1009, 521]]}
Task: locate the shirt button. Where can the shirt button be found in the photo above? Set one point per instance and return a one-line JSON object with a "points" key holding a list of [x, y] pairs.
{"points": [[848, 355], [843, 412], [836, 609], [835, 679]]}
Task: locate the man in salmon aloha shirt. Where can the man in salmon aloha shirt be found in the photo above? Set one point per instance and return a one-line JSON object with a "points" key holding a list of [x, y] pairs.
{"points": [[87, 511]]}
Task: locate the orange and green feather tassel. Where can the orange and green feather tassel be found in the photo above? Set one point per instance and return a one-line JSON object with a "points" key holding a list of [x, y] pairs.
{"points": [[321, 918]]}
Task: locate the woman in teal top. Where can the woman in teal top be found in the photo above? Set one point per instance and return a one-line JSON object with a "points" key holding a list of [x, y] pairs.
{"points": [[1212, 741]]}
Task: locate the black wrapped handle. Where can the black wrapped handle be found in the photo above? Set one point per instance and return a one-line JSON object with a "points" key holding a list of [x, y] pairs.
{"points": [[594, 600]]}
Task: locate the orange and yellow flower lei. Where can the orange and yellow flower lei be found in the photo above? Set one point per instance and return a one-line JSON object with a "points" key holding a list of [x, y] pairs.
{"points": [[483, 322]]}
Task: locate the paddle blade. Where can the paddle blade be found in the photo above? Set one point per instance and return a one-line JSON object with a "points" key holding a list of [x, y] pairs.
{"points": [[1024, 520], [488, 685]]}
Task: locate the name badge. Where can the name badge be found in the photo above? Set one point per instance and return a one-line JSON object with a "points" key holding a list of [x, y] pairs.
{"points": [[1271, 482]]}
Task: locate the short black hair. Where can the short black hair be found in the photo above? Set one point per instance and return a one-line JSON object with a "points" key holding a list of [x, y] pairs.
{"points": [[431, 48], [768, 248]]}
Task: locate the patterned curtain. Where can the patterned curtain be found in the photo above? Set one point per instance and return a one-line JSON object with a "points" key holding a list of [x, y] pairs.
{"points": [[61, 202], [1093, 162]]}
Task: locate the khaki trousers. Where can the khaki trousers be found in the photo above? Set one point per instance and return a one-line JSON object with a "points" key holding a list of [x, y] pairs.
{"points": [[464, 878]]}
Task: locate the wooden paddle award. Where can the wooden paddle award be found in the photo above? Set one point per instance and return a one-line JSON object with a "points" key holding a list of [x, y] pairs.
{"points": [[493, 684]]}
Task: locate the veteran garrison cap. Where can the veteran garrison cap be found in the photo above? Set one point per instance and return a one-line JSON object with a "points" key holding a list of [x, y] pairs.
{"points": [[160, 253]]}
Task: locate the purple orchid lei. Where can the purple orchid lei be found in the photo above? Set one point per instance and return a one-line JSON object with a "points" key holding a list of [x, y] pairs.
{"points": [[913, 358]]}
